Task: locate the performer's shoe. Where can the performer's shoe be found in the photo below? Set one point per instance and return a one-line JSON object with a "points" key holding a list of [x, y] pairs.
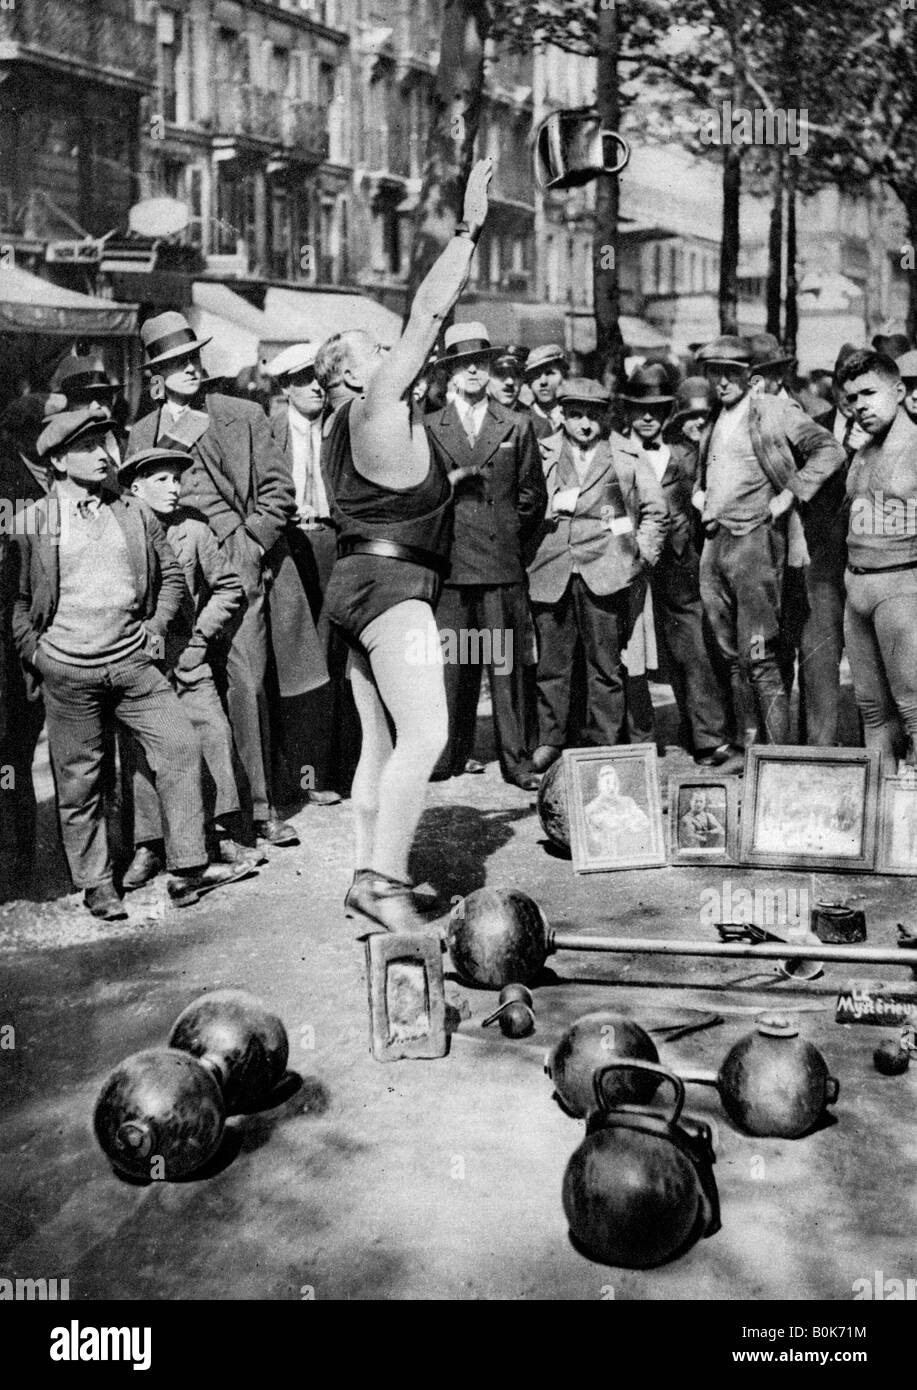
{"points": [[473, 766], [275, 831], [387, 903], [326, 798], [545, 756], [185, 889], [228, 851], [103, 901], [144, 866]]}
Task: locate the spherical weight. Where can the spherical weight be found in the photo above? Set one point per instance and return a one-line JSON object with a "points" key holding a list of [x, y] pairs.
{"points": [[552, 806], [774, 1083], [890, 1058], [246, 1044], [160, 1114], [516, 1020], [498, 935], [590, 1043]]}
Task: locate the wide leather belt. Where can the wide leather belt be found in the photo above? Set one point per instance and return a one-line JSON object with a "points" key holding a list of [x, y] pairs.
{"points": [[883, 569], [394, 550]]}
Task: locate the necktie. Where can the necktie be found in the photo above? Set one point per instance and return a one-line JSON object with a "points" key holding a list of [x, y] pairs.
{"points": [[470, 430]]}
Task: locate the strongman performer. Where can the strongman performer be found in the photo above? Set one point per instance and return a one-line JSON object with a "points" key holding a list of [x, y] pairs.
{"points": [[326, 716], [492, 461], [393, 506], [880, 619], [604, 527], [675, 582], [760, 456], [241, 485], [98, 587]]}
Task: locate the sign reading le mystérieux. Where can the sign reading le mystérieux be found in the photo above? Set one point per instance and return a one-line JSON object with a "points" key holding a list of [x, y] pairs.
{"points": [[876, 1002]]}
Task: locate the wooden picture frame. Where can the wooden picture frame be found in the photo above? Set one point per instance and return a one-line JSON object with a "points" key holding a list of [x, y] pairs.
{"points": [[615, 823], [810, 808], [897, 848], [700, 843]]}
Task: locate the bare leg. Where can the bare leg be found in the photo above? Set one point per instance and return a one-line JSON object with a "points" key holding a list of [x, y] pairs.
{"points": [[375, 750]]}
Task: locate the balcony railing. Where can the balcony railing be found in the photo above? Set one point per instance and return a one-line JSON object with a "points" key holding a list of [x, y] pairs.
{"points": [[240, 109], [81, 32]]}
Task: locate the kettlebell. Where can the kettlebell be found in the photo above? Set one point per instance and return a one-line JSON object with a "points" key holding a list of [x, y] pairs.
{"points": [[640, 1189], [515, 1014]]}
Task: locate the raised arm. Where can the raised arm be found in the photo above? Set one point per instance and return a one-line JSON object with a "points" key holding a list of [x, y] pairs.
{"points": [[434, 299]]}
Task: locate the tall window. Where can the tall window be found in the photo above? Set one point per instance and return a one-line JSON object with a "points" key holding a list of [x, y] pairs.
{"points": [[168, 33]]}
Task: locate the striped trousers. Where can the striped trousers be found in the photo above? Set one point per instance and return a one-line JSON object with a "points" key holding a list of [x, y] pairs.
{"points": [[79, 701]]}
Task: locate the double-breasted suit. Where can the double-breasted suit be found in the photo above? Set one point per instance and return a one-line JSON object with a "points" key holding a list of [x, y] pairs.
{"points": [[497, 510], [241, 484], [587, 582]]}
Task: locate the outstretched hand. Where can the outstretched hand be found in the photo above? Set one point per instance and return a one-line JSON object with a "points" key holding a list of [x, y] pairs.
{"points": [[476, 201]]}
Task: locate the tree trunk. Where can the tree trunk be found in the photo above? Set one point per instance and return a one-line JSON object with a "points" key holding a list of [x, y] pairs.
{"points": [[791, 331], [729, 248], [775, 247], [606, 285], [454, 123], [911, 206]]}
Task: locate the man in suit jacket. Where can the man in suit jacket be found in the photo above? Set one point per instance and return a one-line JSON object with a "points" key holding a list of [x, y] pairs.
{"points": [[491, 458], [241, 484], [675, 584], [324, 725], [97, 588], [604, 527]]}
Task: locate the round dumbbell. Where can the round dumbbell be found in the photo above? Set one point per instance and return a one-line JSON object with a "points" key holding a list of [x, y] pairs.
{"points": [[515, 1014], [161, 1112]]}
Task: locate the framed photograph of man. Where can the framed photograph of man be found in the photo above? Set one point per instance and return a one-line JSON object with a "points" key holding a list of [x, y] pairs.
{"points": [[703, 820], [615, 808], [810, 808], [897, 852]]}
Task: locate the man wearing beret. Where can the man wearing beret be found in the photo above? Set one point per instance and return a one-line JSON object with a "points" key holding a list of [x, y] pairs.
{"points": [[241, 484], [603, 529], [97, 589], [491, 458], [296, 423], [760, 457], [545, 369]]}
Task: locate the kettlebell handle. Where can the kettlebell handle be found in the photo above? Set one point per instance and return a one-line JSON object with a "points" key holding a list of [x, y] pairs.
{"points": [[622, 1064]]}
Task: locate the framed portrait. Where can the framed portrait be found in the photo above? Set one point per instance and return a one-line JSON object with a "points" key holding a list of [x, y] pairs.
{"points": [[615, 808], [703, 820], [897, 852], [810, 808]]}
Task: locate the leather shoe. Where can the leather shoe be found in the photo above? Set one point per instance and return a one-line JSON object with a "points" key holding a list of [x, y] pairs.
{"points": [[275, 831], [528, 781], [474, 766], [383, 902], [545, 756], [326, 798], [185, 889], [103, 901], [144, 866], [227, 851]]}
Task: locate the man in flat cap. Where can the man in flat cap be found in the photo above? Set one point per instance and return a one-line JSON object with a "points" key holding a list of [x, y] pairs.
{"points": [[211, 596], [545, 369], [240, 483], [604, 527], [491, 458], [760, 457], [98, 586], [325, 719]]}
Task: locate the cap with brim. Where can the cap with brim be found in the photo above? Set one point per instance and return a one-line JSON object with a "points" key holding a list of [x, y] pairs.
{"points": [[907, 366], [766, 352], [692, 398], [79, 379], [511, 356], [299, 357], [545, 356], [583, 390], [648, 385], [63, 430], [168, 336], [892, 344], [728, 351], [148, 458]]}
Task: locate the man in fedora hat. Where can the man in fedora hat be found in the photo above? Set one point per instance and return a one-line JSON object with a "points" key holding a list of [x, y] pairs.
{"points": [[675, 583], [241, 484], [892, 345], [760, 457], [545, 369], [491, 458], [212, 595], [604, 527], [506, 376], [326, 719], [98, 586]]}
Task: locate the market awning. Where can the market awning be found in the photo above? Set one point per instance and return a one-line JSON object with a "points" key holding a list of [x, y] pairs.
{"points": [[29, 304], [314, 315]]}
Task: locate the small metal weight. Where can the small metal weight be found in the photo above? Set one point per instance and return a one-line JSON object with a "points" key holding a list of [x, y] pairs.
{"points": [[515, 1014]]}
